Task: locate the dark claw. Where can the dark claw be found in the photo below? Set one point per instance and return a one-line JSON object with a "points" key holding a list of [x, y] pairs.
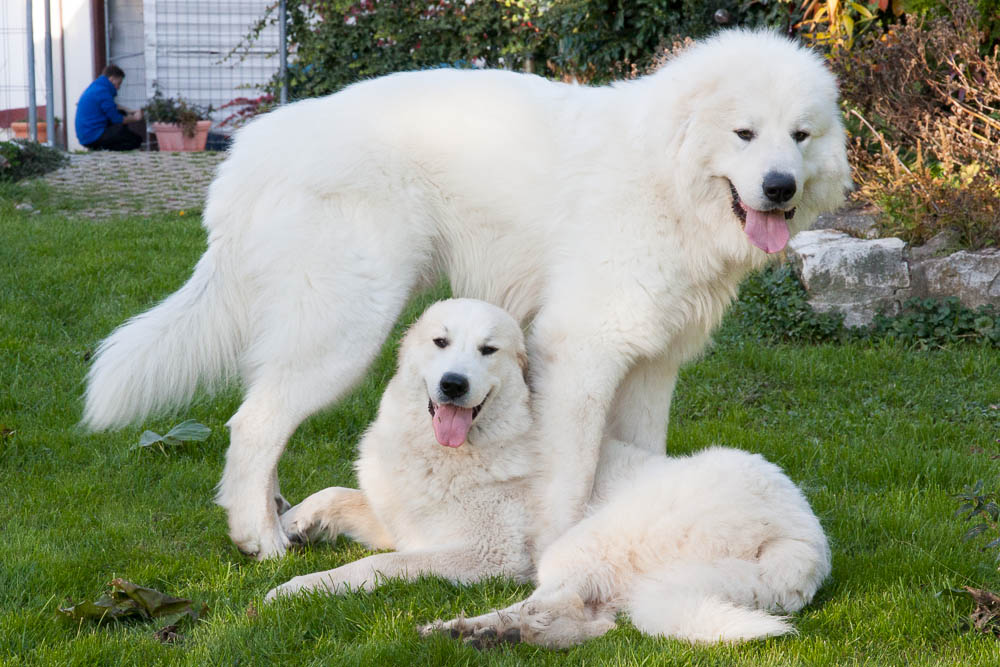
{"points": [[511, 636], [297, 538]]}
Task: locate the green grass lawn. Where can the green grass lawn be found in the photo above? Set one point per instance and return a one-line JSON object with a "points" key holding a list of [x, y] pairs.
{"points": [[880, 437]]}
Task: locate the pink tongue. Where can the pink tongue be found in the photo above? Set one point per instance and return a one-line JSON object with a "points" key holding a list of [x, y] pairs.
{"points": [[767, 230], [451, 424]]}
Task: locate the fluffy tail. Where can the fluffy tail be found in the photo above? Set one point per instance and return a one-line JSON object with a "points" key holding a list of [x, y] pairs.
{"points": [[157, 359], [701, 619], [727, 599]]}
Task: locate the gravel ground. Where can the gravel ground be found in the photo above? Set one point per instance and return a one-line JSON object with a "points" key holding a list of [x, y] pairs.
{"points": [[136, 182]]}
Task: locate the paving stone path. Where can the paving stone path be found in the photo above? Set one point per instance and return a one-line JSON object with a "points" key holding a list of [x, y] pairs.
{"points": [[136, 182]]}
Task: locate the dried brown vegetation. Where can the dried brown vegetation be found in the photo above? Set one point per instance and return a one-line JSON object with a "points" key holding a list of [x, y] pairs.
{"points": [[923, 103]]}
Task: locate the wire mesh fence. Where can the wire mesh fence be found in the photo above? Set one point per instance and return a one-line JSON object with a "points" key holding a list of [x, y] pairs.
{"points": [[186, 47], [14, 87]]}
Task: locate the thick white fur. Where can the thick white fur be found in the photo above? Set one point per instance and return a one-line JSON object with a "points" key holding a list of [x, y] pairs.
{"points": [[704, 548], [460, 513], [602, 217]]}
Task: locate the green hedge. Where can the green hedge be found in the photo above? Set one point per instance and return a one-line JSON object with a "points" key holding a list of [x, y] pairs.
{"points": [[26, 159], [338, 42]]}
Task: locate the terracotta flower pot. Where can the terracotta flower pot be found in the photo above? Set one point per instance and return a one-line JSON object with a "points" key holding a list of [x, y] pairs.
{"points": [[20, 128], [171, 137]]}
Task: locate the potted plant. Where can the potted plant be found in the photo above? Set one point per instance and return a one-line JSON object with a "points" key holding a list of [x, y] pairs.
{"points": [[179, 125], [20, 129]]}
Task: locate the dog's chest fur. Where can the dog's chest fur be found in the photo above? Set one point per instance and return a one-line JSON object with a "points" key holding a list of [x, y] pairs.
{"points": [[428, 495]]}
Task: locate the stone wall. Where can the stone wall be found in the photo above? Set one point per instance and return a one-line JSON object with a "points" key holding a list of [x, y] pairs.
{"points": [[860, 277]]}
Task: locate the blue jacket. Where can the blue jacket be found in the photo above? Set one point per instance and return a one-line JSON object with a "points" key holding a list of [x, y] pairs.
{"points": [[96, 110]]}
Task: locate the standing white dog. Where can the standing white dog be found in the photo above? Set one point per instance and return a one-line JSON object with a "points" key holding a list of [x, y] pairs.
{"points": [[449, 491], [616, 221]]}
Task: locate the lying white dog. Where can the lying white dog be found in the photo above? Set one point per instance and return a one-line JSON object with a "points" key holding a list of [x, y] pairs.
{"points": [[448, 490], [699, 548], [702, 548], [616, 221]]}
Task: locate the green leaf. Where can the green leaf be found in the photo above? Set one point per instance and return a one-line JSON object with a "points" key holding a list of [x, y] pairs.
{"points": [[963, 509], [186, 431], [992, 545], [974, 531], [130, 601]]}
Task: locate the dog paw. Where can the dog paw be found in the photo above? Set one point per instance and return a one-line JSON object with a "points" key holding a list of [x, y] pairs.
{"points": [[455, 628], [291, 587], [298, 525], [477, 633], [488, 638], [273, 545]]}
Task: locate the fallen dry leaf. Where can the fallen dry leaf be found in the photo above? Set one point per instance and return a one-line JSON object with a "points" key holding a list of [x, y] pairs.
{"points": [[985, 616], [127, 601]]}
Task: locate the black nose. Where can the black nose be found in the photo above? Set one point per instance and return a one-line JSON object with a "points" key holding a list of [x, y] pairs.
{"points": [[454, 385], [778, 187]]}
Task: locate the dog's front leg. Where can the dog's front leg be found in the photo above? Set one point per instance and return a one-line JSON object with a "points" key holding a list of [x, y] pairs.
{"points": [[330, 512], [641, 407], [574, 384], [460, 565]]}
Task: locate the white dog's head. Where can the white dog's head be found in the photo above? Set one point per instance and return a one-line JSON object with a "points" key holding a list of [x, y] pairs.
{"points": [[466, 358], [762, 143]]}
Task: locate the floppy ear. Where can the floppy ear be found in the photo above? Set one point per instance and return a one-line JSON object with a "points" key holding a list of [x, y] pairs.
{"points": [[522, 361]]}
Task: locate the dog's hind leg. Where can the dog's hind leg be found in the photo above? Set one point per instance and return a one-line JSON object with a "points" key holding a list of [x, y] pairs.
{"points": [[314, 342], [551, 617]]}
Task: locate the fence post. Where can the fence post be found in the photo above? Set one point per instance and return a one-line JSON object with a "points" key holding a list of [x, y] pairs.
{"points": [[32, 109], [50, 98]]}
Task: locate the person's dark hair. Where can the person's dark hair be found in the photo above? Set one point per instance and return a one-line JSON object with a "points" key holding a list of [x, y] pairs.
{"points": [[113, 70]]}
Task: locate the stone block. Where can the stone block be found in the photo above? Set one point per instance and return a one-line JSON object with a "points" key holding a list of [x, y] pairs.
{"points": [[855, 220], [857, 277], [972, 276]]}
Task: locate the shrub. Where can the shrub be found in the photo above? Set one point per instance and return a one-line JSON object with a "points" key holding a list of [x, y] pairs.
{"points": [[600, 41], [773, 307], [939, 322], [334, 43], [26, 159], [923, 105], [162, 109], [245, 108]]}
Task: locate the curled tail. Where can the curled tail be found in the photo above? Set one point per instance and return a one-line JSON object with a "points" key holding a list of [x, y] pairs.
{"points": [[702, 618], [156, 360], [729, 599]]}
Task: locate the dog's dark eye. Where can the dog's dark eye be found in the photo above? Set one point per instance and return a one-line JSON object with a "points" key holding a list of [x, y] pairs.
{"points": [[487, 350], [745, 135], [441, 342], [800, 136]]}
